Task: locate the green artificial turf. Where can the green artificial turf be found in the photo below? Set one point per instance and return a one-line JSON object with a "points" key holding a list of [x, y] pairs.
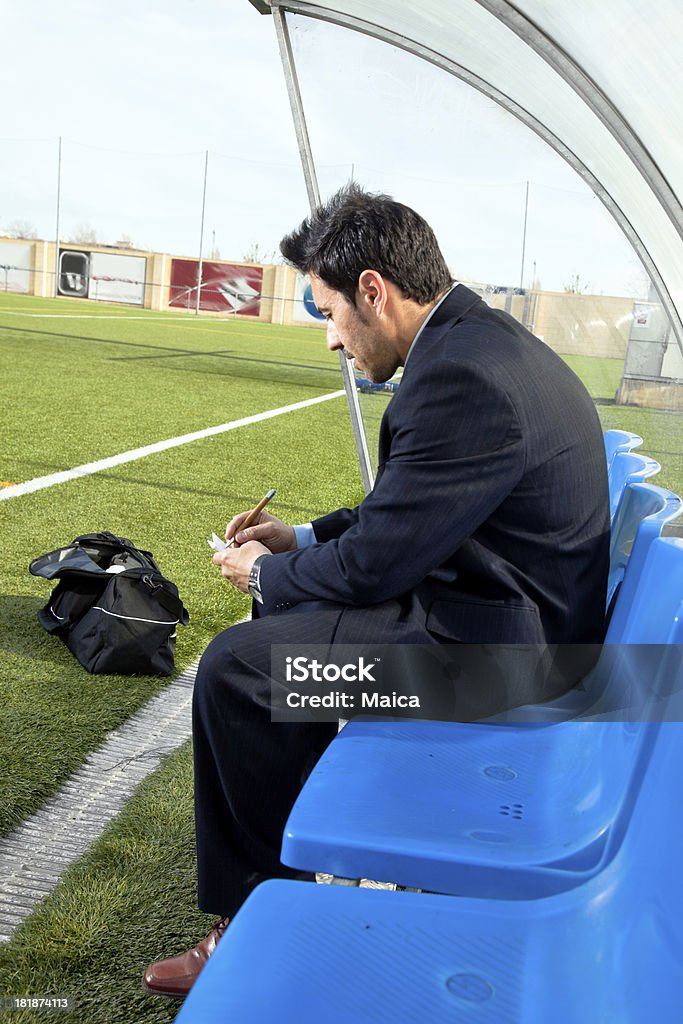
{"points": [[662, 431], [601, 376], [130, 900], [52, 713], [662, 434], [84, 389]]}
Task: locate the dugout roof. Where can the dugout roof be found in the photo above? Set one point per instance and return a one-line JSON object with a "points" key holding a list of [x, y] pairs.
{"points": [[602, 83]]}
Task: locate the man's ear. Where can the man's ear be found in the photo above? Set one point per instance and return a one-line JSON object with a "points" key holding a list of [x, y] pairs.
{"points": [[372, 290]]}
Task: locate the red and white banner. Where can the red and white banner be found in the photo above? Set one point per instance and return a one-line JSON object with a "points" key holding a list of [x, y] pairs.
{"points": [[226, 287]]}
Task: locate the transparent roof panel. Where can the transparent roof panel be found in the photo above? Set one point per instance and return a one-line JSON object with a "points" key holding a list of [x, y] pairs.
{"points": [[613, 118], [626, 48], [495, 193]]}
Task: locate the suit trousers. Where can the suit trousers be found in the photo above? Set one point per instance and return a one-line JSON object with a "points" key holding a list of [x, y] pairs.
{"points": [[248, 770]]}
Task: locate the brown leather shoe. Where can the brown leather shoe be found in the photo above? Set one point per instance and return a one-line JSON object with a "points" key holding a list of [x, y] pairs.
{"points": [[176, 975]]}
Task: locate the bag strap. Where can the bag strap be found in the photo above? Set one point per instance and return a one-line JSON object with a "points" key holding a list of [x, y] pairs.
{"points": [[166, 593]]}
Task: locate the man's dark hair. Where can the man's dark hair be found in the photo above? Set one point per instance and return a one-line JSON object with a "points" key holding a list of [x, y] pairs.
{"points": [[356, 231]]}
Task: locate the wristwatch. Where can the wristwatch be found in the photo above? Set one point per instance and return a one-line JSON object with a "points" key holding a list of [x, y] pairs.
{"points": [[254, 581]]}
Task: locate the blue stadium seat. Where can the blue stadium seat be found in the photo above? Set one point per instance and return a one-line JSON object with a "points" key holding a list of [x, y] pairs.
{"points": [[656, 612], [619, 441], [480, 810], [628, 468], [648, 639], [528, 809], [608, 951], [643, 512], [645, 613]]}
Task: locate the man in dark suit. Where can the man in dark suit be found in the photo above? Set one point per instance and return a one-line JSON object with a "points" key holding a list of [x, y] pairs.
{"points": [[487, 524]]}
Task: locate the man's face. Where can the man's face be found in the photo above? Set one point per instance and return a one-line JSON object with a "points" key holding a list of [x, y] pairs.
{"points": [[358, 331]]}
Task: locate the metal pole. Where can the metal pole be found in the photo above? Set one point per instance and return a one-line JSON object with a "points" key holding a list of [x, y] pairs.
{"points": [[526, 211], [59, 195], [297, 108], [308, 166], [201, 234]]}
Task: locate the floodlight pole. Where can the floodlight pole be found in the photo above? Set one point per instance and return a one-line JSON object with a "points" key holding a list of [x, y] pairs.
{"points": [[310, 178], [201, 236], [59, 193]]}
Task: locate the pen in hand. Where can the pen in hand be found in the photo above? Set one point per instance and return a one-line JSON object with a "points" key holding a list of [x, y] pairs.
{"points": [[253, 515]]}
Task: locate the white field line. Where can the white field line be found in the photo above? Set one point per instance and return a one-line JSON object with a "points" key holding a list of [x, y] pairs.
{"points": [[35, 856], [171, 319], [95, 316], [40, 482]]}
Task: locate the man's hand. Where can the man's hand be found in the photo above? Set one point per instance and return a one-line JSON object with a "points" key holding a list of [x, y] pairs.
{"points": [[235, 562], [273, 533]]}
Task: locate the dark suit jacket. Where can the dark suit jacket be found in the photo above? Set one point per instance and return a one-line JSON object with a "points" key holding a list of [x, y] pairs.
{"points": [[489, 515]]}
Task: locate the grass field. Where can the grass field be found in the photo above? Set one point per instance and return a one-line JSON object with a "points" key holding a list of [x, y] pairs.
{"points": [[662, 431], [83, 389], [80, 382]]}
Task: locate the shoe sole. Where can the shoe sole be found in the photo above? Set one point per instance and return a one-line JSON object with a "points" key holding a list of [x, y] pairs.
{"points": [[164, 995]]}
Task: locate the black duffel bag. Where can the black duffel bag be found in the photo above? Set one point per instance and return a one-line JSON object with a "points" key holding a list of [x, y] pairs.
{"points": [[112, 607]]}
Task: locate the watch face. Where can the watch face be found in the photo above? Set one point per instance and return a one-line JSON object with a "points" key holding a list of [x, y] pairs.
{"points": [[253, 583]]}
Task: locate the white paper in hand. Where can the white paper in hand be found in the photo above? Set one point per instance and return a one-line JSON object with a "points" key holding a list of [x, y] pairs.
{"points": [[216, 543]]}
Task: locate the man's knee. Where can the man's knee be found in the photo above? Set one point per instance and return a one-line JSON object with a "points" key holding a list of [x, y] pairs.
{"points": [[233, 686], [218, 662]]}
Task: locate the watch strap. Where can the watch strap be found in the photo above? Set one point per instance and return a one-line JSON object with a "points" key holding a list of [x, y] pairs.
{"points": [[254, 581]]}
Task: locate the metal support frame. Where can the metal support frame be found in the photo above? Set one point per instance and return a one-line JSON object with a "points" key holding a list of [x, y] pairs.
{"points": [[526, 217], [58, 205], [311, 10], [200, 264], [311, 180]]}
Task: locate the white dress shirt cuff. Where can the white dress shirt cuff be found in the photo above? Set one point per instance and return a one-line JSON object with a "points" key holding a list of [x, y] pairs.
{"points": [[304, 536]]}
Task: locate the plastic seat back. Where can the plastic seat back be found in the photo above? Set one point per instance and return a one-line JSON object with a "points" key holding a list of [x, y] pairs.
{"points": [[627, 468], [643, 512], [639, 676], [648, 610], [655, 615], [619, 441]]}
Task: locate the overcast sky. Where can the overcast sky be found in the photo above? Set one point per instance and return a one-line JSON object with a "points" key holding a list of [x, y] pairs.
{"points": [[140, 90]]}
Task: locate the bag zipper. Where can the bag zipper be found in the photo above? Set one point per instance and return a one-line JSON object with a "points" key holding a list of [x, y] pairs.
{"points": [[135, 618]]}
